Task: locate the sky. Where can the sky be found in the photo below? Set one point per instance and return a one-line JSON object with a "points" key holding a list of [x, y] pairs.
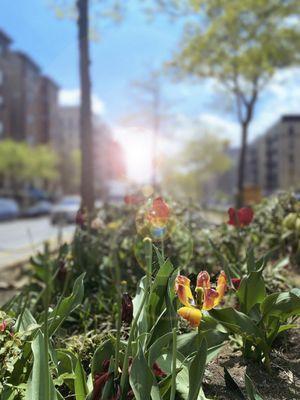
{"points": [[123, 53]]}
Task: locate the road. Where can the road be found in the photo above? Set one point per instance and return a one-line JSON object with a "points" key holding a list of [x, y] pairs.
{"points": [[21, 238]]}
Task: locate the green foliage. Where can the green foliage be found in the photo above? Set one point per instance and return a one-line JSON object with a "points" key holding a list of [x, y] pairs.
{"points": [[185, 174], [64, 343], [21, 163], [240, 43], [262, 316]]}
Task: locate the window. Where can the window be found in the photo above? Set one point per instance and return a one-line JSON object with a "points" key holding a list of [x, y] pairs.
{"points": [[291, 131]]}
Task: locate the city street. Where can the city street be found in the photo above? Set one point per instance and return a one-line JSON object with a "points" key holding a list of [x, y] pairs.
{"points": [[21, 238]]}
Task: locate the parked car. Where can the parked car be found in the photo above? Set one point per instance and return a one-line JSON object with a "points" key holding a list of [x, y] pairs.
{"points": [[38, 209], [65, 211], [9, 209]]}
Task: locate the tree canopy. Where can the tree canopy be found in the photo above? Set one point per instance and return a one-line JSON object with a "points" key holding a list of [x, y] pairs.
{"points": [[200, 159], [21, 163]]}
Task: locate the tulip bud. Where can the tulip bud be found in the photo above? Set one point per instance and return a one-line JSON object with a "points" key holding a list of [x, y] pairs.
{"points": [[297, 225], [80, 218], [62, 271], [3, 326], [127, 309], [236, 283], [289, 221]]}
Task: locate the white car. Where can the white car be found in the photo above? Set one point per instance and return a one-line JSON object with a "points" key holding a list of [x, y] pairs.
{"points": [[65, 211], [9, 209]]}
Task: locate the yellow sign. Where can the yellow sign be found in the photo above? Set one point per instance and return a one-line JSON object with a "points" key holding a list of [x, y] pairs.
{"points": [[252, 195]]}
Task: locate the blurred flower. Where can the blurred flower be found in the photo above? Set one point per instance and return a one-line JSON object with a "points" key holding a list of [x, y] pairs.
{"points": [[241, 217], [127, 308], [133, 199], [113, 225], [80, 219], [97, 223], [3, 326], [206, 297], [159, 213], [236, 283]]}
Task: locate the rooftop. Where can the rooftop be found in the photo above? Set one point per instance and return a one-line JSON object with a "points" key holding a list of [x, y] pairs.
{"points": [[5, 37], [290, 118]]}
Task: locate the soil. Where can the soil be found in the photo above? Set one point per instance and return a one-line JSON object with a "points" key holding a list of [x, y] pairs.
{"points": [[11, 281], [283, 383]]}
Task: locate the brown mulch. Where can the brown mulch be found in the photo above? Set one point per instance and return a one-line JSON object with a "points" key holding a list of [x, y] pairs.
{"points": [[283, 383]]}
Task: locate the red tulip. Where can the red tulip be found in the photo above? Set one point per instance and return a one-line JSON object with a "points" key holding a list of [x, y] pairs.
{"points": [[241, 217], [236, 283], [3, 326], [133, 199]]}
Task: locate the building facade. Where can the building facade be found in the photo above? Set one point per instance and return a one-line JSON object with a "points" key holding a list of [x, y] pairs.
{"points": [[273, 162], [109, 164], [28, 100]]}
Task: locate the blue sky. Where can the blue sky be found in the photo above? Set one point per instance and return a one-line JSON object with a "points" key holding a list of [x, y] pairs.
{"points": [[122, 55]]}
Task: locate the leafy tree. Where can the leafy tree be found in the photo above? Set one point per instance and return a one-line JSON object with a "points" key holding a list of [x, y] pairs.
{"points": [[22, 164], [202, 158], [241, 44]]}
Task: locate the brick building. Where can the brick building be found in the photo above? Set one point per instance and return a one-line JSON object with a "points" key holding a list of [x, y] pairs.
{"points": [[28, 99], [273, 162]]}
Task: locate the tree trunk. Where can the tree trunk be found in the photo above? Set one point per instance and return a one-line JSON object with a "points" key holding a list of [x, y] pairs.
{"points": [[86, 134], [242, 166]]}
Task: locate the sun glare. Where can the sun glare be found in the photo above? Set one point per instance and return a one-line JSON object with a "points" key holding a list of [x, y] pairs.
{"points": [[137, 147]]}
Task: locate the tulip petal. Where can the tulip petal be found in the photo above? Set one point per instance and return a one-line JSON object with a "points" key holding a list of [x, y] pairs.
{"points": [[191, 314], [222, 284], [203, 280], [210, 299], [183, 290]]}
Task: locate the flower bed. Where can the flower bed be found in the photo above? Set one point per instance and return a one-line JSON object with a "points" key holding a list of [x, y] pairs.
{"points": [[150, 301]]}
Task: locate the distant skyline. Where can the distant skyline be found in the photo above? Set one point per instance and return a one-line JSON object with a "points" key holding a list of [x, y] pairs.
{"points": [[123, 55]]}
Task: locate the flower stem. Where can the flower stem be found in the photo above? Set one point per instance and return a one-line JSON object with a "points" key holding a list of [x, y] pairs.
{"points": [[119, 316], [174, 352], [148, 251]]}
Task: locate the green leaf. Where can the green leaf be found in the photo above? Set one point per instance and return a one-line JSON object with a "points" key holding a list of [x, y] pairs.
{"points": [[81, 389], [282, 305], [69, 304], [251, 265], [196, 371], [159, 347], [103, 352], [40, 384], [237, 322], [224, 262], [232, 385], [252, 290], [141, 377], [158, 292], [251, 390], [138, 298]]}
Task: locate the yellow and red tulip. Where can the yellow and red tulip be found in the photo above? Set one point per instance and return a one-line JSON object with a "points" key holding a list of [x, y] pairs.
{"points": [[205, 297]]}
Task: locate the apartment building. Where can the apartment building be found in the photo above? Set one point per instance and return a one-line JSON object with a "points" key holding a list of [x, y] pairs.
{"points": [[109, 164], [273, 162], [5, 42], [28, 99]]}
